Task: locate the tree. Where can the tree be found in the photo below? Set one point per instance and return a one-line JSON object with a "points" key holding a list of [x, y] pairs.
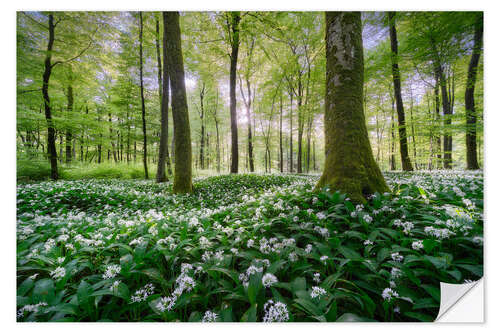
{"points": [[143, 106], [164, 86], [470, 112], [182, 134], [403, 143], [233, 21], [51, 133], [349, 163]]}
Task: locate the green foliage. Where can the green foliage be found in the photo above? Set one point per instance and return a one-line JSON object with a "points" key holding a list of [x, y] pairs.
{"points": [[114, 250]]}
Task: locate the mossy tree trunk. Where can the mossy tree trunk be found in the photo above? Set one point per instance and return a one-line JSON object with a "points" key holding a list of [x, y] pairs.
{"points": [[349, 163], [403, 142], [470, 112], [182, 134]]}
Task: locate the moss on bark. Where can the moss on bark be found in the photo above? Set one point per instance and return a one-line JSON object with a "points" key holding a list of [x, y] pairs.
{"points": [[349, 163]]}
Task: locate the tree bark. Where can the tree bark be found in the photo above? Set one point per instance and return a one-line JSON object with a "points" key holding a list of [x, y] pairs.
{"points": [[69, 136], [349, 163], [281, 132], [234, 32], [470, 112], [403, 141], [51, 132], [182, 134], [143, 106], [163, 91]]}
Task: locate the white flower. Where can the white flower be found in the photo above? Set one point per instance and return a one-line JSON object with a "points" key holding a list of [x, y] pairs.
{"points": [[317, 278], [323, 259], [368, 242], [58, 273], [269, 279], [166, 303], [321, 215], [143, 293], [275, 312], [209, 317], [250, 243], [417, 245], [293, 257], [308, 248], [60, 260], [397, 257], [388, 294], [367, 218], [30, 308], [204, 242], [317, 292], [111, 271], [114, 286], [396, 273]]}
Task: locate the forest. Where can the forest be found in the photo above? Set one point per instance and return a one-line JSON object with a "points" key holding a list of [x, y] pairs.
{"points": [[247, 166]]}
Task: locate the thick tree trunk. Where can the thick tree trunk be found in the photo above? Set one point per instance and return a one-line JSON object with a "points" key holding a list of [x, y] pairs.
{"points": [[163, 92], [470, 112], [182, 134], [51, 132], [143, 106], [403, 142], [349, 163], [235, 43], [69, 136]]}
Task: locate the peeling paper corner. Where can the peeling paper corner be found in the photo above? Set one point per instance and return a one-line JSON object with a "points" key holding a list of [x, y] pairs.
{"points": [[462, 303]]}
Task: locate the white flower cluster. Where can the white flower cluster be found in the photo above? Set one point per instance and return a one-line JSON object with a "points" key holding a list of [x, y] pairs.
{"points": [[209, 317], [438, 233], [317, 292], [142, 294], [58, 273], [417, 245], [388, 294], [111, 271], [275, 312], [397, 257], [269, 279], [30, 308]]}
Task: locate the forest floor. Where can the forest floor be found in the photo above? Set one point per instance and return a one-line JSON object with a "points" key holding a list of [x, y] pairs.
{"points": [[245, 248]]}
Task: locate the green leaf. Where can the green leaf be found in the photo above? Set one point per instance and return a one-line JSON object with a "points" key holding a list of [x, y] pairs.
{"points": [[251, 314], [44, 291], [351, 317], [419, 316], [433, 291], [349, 253], [25, 287], [299, 284]]}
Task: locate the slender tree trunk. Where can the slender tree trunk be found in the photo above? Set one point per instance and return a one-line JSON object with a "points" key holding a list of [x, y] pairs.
{"points": [[182, 134], [163, 92], [235, 43], [403, 143], [470, 112], [202, 136], [290, 168], [51, 133], [249, 127], [69, 136], [281, 132], [143, 106], [349, 163], [392, 157]]}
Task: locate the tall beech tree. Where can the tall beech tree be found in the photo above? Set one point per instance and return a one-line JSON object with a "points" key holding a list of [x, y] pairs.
{"points": [[470, 112], [164, 83], [143, 105], [233, 26], [51, 132], [349, 163], [182, 133], [403, 142]]}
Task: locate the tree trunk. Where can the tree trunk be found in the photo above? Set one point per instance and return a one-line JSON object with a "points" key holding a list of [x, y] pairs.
{"points": [[182, 134], [163, 92], [69, 137], [143, 106], [202, 136], [51, 132], [281, 133], [235, 43], [290, 168], [470, 112], [349, 163], [403, 143]]}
